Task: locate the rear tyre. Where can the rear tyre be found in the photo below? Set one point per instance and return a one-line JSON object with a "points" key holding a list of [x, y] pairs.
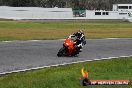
{"points": [[76, 53]]}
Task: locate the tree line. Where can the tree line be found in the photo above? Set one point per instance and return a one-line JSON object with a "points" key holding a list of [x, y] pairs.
{"points": [[85, 4]]}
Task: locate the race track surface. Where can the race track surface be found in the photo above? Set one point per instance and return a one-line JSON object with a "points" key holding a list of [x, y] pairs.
{"points": [[20, 55]]}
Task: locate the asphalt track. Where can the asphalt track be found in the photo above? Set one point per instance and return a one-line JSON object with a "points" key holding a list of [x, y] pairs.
{"points": [[19, 55]]}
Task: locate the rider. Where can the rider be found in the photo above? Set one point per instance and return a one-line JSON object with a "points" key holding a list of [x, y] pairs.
{"points": [[80, 40]]}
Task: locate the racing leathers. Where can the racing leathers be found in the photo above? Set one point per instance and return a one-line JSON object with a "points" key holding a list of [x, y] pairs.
{"points": [[79, 40]]}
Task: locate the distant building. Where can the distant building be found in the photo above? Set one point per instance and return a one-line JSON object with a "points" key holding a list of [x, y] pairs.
{"points": [[35, 13], [120, 11], [122, 7]]}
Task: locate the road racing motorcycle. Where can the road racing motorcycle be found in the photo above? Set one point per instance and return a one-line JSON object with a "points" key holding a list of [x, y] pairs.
{"points": [[69, 48]]}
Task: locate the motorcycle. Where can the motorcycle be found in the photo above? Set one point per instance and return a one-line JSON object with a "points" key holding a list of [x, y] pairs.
{"points": [[69, 48]]}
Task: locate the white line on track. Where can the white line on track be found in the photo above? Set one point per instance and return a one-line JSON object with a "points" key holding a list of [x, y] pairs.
{"points": [[34, 40], [63, 40], [58, 39], [113, 38], [7, 41], [23, 70]]}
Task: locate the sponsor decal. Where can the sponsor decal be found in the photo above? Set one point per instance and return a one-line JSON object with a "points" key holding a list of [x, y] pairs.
{"points": [[86, 81]]}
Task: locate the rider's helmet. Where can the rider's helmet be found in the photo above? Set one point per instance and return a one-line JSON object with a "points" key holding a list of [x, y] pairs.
{"points": [[79, 33]]}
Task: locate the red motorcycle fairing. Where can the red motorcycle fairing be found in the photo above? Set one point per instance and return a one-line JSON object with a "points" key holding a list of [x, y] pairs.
{"points": [[68, 48], [70, 45]]}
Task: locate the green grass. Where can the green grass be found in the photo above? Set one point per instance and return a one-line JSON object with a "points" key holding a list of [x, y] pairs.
{"points": [[69, 76], [16, 30]]}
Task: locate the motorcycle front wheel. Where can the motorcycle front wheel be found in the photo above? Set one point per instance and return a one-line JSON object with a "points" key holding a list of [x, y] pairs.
{"points": [[62, 52]]}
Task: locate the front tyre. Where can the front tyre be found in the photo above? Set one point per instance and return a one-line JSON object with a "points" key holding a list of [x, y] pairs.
{"points": [[62, 52]]}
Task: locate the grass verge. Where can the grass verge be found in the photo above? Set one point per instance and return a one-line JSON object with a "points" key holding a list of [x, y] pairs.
{"points": [[68, 76], [15, 30]]}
